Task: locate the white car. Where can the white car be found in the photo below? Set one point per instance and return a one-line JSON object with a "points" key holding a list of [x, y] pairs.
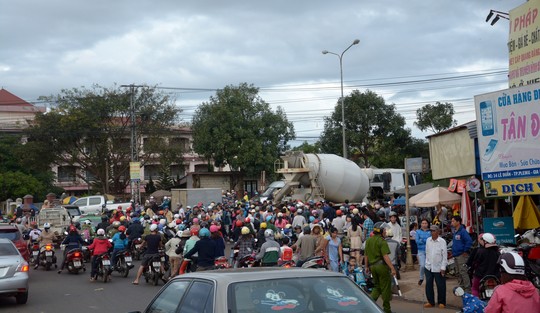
{"points": [[13, 272]]}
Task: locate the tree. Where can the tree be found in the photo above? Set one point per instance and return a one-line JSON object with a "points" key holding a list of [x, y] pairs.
{"points": [[375, 132], [91, 130], [150, 187], [308, 148], [435, 118], [238, 128]]}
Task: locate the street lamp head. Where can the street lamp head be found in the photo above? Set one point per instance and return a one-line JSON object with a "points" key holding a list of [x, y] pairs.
{"points": [[325, 52], [356, 41]]}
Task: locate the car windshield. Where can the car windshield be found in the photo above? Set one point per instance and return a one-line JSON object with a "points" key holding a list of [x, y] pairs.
{"points": [[11, 234], [310, 294], [8, 249]]}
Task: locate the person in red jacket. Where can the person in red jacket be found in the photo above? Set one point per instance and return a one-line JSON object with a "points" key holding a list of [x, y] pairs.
{"points": [[99, 246], [516, 294]]}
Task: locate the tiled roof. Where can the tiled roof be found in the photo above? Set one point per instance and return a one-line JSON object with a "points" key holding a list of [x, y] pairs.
{"points": [[7, 98]]}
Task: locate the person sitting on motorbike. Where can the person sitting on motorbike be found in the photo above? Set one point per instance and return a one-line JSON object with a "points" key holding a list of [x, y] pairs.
{"points": [[245, 244], [206, 248], [217, 237], [135, 230], [34, 233], [99, 246], [153, 243], [104, 224], [73, 240], [113, 229], [170, 249], [270, 251], [516, 294], [120, 242], [87, 230], [483, 261], [46, 237]]}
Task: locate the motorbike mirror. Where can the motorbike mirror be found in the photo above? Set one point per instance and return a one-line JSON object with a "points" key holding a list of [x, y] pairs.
{"points": [[459, 292]]}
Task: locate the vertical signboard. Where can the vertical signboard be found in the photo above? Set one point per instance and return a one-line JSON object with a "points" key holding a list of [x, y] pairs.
{"points": [[502, 228], [135, 171], [508, 123], [524, 44]]}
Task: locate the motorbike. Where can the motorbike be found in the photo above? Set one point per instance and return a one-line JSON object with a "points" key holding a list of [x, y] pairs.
{"points": [[86, 253], [34, 253], [531, 256], [74, 261], [247, 261], [315, 262], [155, 271], [287, 264], [221, 263], [104, 267], [487, 286], [124, 262], [46, 257]]}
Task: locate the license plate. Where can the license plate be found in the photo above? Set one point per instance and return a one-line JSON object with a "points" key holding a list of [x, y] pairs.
{"points": [[156, 264], [106, 262], [162, 259], [48, 253], [451, 261], [77, 263], [35, 252], [128, 259]]}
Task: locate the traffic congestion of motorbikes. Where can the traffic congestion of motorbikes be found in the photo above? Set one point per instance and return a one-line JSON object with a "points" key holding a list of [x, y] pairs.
{"points": [[243, 225]]}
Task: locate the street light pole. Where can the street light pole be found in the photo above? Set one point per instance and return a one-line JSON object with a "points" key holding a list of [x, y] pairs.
{"points": [[340, 56]]}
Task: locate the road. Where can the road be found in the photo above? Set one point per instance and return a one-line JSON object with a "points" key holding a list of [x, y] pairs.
{"points": [[66, 293]]}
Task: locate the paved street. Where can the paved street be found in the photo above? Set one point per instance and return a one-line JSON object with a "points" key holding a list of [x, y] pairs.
{"points": [[54, 293]]}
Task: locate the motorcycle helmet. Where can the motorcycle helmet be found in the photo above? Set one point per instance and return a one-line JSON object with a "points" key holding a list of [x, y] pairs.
{"points": [[179, 233], [248, 220], [280, 214], [512, 263], [339, 212], [245, 230], [72, 229], [311, 219], [181, 227], [378, 227], [269, 218], [389, 232], [355, 211], [186, 233], [153, 227], [172, 224], [155, 217], [46, 225], [488, 238], [288, 226], [163, 221], [88, 222], [392, 213], [239, 223], [101, 232], [194, 232], [214, 228], [122, 218], [135, 220], [122, 228], [195, 220], [147, 217], [116, 224], [263, 225], [204, 232], [299, 211], [268, 233]]}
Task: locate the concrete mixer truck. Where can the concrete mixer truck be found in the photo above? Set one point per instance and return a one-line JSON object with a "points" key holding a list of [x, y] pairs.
{"points": [[329, 177]]}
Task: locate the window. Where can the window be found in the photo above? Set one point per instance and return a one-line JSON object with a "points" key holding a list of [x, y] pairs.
{"points": [[94, 201], [151, 171], [90, 177], [177, 171], [67, 173], [198, 295], [11, 234], [169, 298], [8, 249], [81, 202], [201, 168], [182, 142]]}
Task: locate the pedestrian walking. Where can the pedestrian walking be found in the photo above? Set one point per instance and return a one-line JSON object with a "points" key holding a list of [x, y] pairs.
{"points": [[461, 245], [436, 262], [377, 261], [421, 238]]}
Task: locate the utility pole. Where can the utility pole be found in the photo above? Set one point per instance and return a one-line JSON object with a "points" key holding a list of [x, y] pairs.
{"points": [[134, 183]]}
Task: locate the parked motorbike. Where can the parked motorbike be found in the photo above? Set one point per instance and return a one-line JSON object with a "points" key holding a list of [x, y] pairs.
{"points": [[47, 258], [221, 263], [487, 287], [531, 257], [137, 249], [74, 259], [124, 262], [104, 267], [315, 262], [187, 266]]}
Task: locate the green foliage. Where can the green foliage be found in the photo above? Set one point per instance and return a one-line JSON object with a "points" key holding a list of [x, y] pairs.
{"points": [[91, 129], [308, 148], [17, 184], [165, 181], [375, 132], [435, 118], [238, 128]]}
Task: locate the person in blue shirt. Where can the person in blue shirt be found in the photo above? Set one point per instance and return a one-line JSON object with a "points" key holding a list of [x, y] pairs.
{"points": [[120, 242], [461, 245], [422, 236]]}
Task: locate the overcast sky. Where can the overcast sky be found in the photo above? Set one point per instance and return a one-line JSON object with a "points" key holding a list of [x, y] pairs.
{"points": [[411, 52]]}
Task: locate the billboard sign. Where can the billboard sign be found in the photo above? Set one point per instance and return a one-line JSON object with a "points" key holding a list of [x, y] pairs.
{"points": [[508, 123], [502, 228], [524, 44]]}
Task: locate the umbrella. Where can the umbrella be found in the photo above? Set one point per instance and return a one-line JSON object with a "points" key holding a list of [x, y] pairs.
{"points": [[526, 214], [414, 190], [399, 201], [161, 193], [466, 212], [69, 200], [433, 197]]}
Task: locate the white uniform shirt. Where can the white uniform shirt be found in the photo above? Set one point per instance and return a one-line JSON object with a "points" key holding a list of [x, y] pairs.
{"points": [[396, 230], [436, 255]]}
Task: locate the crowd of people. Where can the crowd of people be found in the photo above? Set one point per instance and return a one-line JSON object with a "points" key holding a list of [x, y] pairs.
{"points": [[348, 237]]}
